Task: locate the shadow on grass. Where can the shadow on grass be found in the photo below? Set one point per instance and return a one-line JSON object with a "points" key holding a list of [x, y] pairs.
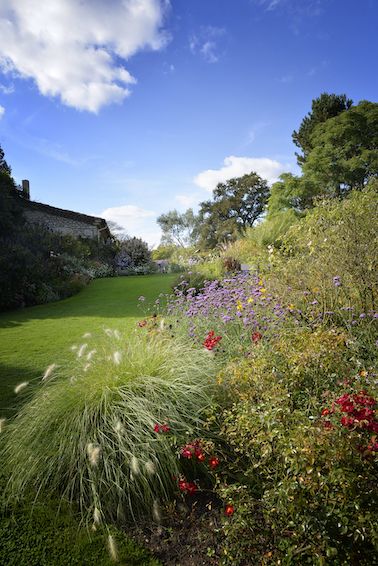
{"points": [[10, 402], [115, 297]]}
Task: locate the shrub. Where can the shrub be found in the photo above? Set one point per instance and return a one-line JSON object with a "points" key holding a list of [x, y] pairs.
{"points": [[334, 248], [306, 473], [133, 253], [93, 432]]}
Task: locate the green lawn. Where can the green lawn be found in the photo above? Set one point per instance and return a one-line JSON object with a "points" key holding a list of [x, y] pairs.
{"points": [[30, 340], [33, 338]]}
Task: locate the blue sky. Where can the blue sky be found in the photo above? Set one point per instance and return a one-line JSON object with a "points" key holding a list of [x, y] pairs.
{"points": [[127, 109]]}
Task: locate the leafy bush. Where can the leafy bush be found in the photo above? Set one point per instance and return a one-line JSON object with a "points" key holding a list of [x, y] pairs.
{"points": [[133, 253], [335, 246], [309, 481], [96, 432]]}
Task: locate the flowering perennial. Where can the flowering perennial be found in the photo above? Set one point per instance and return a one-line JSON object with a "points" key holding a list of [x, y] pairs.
{"points": [[211, 340]]}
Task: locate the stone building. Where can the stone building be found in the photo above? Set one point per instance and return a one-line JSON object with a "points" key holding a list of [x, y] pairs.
{"points": [[63, 221]]}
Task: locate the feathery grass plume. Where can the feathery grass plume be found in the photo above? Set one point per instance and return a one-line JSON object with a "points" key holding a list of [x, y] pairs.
{"points": [[21, 386], [156, 511], [73, 347], [2, 424], [150, 468], [93, 454], [86, 367], [91, 354], [81, 350], [113, 551], [117, 356], [117, 334], [96, 516], [48, 372], [87, 335], [134, 465], [119, 428], [108, 332], [53, 444]]}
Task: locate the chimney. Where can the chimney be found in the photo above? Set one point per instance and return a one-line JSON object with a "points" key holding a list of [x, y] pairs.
{"points": [[26, 189]]}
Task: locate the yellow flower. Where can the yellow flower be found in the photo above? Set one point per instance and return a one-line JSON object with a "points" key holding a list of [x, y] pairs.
{"points": [[250, 300], [291, 307], [263, 291], [316, 290], [239, 306]]}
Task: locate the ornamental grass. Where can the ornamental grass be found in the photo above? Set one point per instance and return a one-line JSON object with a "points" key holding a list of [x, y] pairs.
{"points": [[99, 431]]}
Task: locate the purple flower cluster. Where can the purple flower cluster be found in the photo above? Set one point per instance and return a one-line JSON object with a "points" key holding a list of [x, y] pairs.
{"points": [[240, 301]]}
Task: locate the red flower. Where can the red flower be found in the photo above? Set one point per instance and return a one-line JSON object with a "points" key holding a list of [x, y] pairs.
{"points": [[328, 425], [191, 488], [347, 421], [229, 510], [211, 340], [162, 428], [325, 412], [213, 462], [188, 487], [201, 456], [186, 452], [256, 337]]}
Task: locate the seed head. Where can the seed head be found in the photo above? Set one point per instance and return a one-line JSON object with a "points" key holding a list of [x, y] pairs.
{"points": [[48, 372], [21, 386], [156, 512], [117, 356], [91, 354], [134, 465], [93, 454], [112, 548], [150, 468], [81, 350], [87, 335]]}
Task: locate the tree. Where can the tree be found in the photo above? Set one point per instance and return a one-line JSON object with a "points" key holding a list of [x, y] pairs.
{"points": [[344, 154], [4, 167], [178, 228], [133, 252], [291, 193], [10, 209], [236, 205], [324, 107]]}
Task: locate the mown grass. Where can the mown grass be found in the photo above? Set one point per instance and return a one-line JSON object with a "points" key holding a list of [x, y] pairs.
{"points": [[33, 338], [30, 340]]}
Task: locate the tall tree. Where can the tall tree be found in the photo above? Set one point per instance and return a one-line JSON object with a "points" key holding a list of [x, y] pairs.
{"points": [[4, 167], [236, 205], [324, 107], [178, 229], [344, 154]]}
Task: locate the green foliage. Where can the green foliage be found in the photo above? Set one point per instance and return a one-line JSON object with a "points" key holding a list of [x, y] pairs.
{"points": [[88, 432], [322, 108], [133, 254], [37, 534], [308, 484], [291, 193], [335, 239], [345, 151], [180, 229], [236, 205]]}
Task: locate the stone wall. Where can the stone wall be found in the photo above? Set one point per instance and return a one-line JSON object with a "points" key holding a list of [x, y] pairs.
{"points": [[66, 226]]}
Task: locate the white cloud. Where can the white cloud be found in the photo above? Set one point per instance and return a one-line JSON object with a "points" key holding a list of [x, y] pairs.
{"points": [[187, 200], [74, 50], [268, 169], [136, 221], [7, 89], [2, 110], [205, 43]]}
